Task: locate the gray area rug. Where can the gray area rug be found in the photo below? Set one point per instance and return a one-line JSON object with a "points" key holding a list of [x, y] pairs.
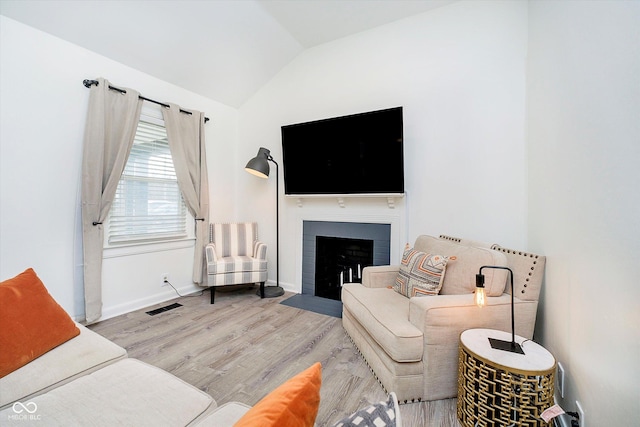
{"points": [[319, 305]]}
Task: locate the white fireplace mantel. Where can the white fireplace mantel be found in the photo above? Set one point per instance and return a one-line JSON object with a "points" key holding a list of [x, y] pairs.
{"points": [[390, 197]]}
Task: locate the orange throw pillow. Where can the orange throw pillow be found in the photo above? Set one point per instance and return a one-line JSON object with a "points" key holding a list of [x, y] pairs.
{"points": [[31, 321], [293, 404]]}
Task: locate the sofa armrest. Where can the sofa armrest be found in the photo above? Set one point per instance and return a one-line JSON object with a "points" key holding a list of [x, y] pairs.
{"points": [[379, 276], [259, 250], [442, 318], [210, 253], [445, 317], [81, 355]]}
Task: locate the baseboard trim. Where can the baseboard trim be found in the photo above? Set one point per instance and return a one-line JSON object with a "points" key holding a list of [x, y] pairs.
{"points": [[289, 287], [128, 307]]}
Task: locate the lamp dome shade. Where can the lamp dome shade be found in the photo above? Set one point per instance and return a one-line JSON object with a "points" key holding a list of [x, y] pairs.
{"points": [[259, 165]]}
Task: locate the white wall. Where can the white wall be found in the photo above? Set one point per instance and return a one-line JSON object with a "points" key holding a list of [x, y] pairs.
{"points": [[459, 73], [43, 109], [583, 94]]}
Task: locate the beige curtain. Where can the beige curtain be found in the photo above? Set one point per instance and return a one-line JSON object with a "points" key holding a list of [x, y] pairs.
{"points": [[186, 142], [111, 125]]}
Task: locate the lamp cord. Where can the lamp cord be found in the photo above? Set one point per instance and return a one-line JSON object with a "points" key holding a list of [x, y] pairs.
{"points": [[183, 296]]}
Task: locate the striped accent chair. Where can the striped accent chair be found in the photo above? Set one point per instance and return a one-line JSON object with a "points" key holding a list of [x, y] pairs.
{"points": [[235, 256]]}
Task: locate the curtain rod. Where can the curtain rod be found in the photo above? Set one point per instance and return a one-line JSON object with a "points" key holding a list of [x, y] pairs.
{"points": [[88, 83]]}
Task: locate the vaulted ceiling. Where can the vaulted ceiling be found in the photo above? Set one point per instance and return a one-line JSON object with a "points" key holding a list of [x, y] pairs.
{"points": [[222, 49]]}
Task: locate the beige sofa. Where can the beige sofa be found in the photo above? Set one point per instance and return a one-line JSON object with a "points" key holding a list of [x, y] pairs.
{"points": [[411, 344], [56, 372], [89, 380]]}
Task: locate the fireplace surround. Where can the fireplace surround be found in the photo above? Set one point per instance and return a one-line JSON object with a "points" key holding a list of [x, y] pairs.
{"points": [[363, 210], [335, 252]]}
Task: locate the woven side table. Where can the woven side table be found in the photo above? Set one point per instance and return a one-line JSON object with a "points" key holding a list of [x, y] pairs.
{"points": [[500, 388]]}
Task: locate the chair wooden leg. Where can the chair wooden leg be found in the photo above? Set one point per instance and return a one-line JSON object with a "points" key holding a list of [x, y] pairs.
{"points": [[261, 289], [213, 294]]}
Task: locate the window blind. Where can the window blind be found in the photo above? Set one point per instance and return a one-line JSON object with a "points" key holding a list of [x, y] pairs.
{"points": [[148, 205]]}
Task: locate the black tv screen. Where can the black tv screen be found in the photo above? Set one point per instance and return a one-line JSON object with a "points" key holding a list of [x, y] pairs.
{"points": [[356, 154]]}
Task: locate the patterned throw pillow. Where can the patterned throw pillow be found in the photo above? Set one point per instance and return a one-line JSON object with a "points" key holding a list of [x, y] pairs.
{"points": [[420, 273], [382, 414]]}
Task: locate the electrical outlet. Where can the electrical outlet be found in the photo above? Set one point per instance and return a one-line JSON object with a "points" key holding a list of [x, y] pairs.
{"points": [[164, 279], [560, 380], [581, 414]]}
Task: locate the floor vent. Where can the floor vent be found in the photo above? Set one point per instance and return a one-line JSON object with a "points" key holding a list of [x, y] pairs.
{"points": [[163, 309]]}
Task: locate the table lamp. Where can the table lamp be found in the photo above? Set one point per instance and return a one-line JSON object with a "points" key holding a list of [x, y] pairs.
{"points": [[480, 300]]}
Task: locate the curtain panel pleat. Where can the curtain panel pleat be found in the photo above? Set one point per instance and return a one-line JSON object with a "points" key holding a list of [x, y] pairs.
{"points": [[112, 120], [186, 142]]}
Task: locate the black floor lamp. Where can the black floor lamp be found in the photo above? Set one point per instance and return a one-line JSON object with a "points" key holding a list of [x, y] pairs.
{"points": [[259, 166]]}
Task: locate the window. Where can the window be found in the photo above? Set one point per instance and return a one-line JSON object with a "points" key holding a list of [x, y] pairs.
{"points": [[148, 205]]}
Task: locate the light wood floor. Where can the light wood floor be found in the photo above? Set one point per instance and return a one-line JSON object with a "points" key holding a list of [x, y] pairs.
{"points": [[242, 347]]}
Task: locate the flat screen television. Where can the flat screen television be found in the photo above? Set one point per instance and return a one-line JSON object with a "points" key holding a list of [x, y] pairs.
{"points": [[355, 154]]}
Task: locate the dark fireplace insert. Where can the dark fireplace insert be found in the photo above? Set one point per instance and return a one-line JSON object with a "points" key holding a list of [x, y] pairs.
{"points": [[340, 260]]}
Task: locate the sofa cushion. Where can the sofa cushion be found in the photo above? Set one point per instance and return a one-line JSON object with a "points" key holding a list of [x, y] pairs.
{"points": [[235, 238], [461, 275], [79, 356], [293, 404], [128, 392], [420, 273], [236, 263], [384, 314], [224, 415], [32, 321]]}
